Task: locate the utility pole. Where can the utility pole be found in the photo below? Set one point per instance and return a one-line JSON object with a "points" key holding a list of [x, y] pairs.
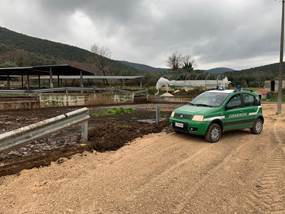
{"points": [[280, 96]]}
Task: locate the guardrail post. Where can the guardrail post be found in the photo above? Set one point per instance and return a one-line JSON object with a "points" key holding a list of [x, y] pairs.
{"points": [[84, 131]]}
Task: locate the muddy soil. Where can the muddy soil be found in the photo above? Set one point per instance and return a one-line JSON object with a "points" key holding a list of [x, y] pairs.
{"points": [[11, 120], [111, 133], [64, 144]]}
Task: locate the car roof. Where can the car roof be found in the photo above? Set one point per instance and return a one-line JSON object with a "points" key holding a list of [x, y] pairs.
{"points": [[223, 91], [234, 91]]}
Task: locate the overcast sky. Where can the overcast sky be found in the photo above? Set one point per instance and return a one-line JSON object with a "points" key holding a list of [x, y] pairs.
{"points": [[232, 33]]}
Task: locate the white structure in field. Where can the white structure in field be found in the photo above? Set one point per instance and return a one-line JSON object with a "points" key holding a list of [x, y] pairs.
{"points": [[208, 84], [272, 85]]}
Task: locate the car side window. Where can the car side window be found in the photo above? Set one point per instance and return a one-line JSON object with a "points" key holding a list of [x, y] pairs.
{"points": [[249, 100], [235, 102]]}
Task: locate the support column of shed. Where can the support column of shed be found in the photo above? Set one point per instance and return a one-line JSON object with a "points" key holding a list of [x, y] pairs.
{"points": [[50, 78], [8, 81], [28, 81], [81, 82], [39, 80], [58, 81], [22, 80]]}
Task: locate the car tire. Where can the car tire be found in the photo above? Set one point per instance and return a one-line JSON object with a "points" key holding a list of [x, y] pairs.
{"points": [[214, 133], [257, 126]]}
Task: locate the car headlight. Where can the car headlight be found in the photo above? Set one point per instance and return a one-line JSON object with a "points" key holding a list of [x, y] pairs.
{"points": [[198, 118], [172, 114]]}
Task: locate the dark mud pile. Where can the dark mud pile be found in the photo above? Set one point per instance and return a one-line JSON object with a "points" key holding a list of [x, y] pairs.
{"points": [[112, 135]]}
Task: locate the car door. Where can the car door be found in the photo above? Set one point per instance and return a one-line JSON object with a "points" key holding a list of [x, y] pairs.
{"points": [[234, 114], [251, 108]]}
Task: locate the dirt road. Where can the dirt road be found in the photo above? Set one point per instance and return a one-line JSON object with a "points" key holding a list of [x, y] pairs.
{"points": [[161, 173]]}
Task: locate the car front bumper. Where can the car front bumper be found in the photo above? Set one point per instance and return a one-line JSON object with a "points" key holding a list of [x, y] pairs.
{"points": [[190, 126]]}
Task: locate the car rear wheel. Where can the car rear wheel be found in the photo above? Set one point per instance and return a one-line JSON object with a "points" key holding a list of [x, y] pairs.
{"points": [[214, 133], [257, 126]]}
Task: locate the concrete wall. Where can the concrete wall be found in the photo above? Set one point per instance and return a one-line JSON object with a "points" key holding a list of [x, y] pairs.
{"points": [[155, 99], [19, 103], [64, 100], [61, 100]]}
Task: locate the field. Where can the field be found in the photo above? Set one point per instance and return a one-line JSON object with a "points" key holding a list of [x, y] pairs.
{"points": [[159, 173]]}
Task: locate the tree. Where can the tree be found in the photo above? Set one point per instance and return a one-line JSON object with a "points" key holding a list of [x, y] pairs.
{"points": [[101, 59], [177, 61], [188, 63], [174, 62]]}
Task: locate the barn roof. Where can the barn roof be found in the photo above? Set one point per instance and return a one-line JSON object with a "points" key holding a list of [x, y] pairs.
{"points": [[63, 70]]}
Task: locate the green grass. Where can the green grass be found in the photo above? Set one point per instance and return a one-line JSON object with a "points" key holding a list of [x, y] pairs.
{"points": [[112, 112]]}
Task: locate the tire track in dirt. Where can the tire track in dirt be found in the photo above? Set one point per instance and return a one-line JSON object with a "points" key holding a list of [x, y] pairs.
{"points": [[265, 148], [138, 171], [268, 195], [166, 171], [173, 183], [189, 194]]}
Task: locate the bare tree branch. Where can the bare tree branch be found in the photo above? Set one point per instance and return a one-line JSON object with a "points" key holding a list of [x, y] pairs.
{"points": [[174, 62], [101, 59], [177, 61]]}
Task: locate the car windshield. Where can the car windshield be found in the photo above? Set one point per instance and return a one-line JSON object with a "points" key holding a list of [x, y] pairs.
{"points": [[209, 99]]}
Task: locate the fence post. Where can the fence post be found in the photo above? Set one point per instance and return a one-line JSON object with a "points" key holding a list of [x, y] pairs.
{"points": [[157, 113]]}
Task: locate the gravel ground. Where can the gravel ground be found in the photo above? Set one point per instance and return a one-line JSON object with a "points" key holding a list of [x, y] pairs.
{"points": [[161, 173]]}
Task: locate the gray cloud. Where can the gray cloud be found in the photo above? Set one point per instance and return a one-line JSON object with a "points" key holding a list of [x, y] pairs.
{"points": [[236, 33]]}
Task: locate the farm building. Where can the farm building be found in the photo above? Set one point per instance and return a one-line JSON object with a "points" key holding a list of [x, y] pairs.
{"points": [[272, 85], [48, 76]]}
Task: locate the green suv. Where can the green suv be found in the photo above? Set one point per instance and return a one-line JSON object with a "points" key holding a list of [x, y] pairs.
{"points": [[213, 112]]}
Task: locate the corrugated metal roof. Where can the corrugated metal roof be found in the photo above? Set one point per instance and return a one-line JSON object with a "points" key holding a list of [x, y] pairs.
{"points": [[94, 77], [62, 69]]}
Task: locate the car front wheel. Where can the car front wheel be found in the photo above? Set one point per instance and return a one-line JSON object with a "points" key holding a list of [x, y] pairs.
{"points": [[257, 126], [214, 133]]}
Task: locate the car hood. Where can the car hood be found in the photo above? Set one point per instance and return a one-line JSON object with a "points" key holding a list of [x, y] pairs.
{"points": [[195, 110]]}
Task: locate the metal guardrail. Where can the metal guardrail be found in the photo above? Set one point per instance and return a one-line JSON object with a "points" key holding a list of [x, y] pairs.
{"points": [[29, 133]]}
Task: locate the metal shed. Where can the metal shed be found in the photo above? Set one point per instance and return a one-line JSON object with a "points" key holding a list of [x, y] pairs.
{"points": [[59, 72], [42, 70]]}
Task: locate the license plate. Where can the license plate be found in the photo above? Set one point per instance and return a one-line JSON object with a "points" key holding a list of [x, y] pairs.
{"points": [[179, 125]]}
